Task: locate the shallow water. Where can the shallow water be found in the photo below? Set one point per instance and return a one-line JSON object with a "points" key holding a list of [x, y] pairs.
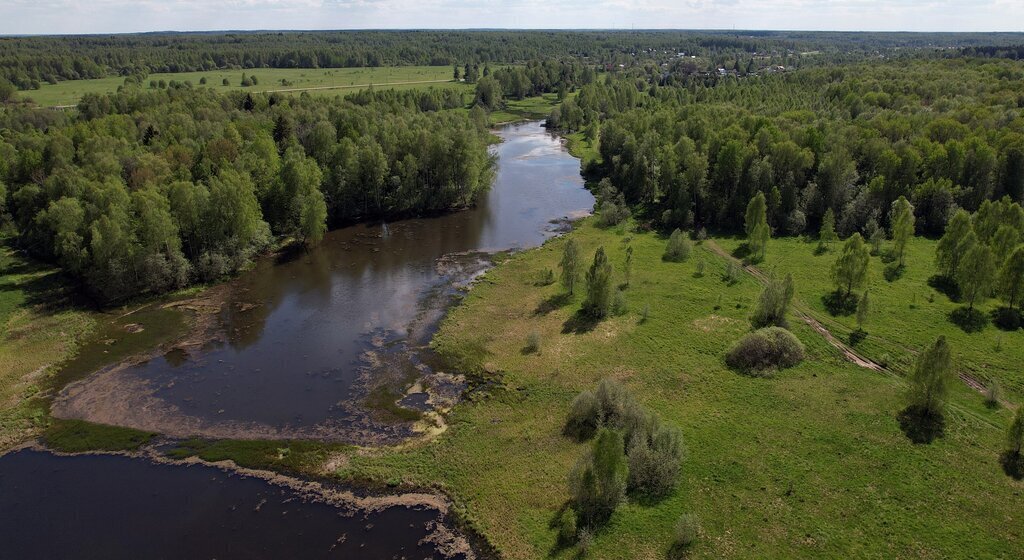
{"points": [[111, 507], [303, 341]]}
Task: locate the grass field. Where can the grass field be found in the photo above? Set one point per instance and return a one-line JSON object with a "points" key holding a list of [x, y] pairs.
{"points": [[332, 81], [38, 330], [907, 314], [808, 463]]}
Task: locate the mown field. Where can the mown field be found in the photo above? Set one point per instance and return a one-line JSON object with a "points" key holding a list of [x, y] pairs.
{"points": [[333, 81], [808, 463]]}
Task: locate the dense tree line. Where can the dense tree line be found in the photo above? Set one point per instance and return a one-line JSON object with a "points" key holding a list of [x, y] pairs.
{"points": [[30, 61], [150, 190], [852, 140]]}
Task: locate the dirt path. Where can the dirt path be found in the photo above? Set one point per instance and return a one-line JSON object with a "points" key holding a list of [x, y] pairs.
{"points": [[804, 313]]}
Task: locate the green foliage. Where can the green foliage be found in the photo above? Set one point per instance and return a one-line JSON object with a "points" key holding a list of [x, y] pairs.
{"points": [[850, 269], [585, 415], [930, 379], [532, 343], [950, 249], [77, 436], [685, 535], [976, 275], [655, 456], [773, 303], [827, 232], [570, 265], [598, 302], [1013, 458], [764, 351], [678, 248], [1011, 277], [567, 526], [597, 483], [902, 220], [189, 188], [863, 309]]}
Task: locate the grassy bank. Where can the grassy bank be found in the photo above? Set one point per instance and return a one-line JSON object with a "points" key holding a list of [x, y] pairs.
{"points": [[40, 327], [531, 108], [51, 336], [809, 463]]}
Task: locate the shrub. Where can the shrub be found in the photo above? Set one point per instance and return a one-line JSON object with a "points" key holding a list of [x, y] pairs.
{"points": [[597, 482], [732, 273], [840, 303], [586, 541], [678, 248], [686, 531], [645, 313], [611, 214], [599, 286], [773, 303], [532, 342], [584, 416], [765, 349], [567, 526], [619, 303], [546, 277], [655, 455], [992, 394], [699, 273]]}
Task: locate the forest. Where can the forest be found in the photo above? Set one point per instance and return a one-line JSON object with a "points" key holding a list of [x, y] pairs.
{"points": [[146, 191], [945, 134], [28, 62]]}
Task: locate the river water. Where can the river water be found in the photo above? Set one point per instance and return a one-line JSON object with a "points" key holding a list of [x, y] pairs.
{"points": [[303, 344], [329, 343]]}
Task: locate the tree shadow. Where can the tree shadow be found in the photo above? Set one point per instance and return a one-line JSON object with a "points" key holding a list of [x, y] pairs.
{"points": [[554, 523], [742, 251], [1013, 464], [920, 426], [838, 303], [946, 286], [290, 252], [552, 303], [49, 291], [1007, 319], [857, 336], [969, 320], [581, 322]]}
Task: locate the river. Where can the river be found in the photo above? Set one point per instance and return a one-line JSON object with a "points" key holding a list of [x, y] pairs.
{"points": [[330, 343]]}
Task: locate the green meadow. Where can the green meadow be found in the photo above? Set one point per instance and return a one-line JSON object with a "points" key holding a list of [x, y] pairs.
{"points": [[810, 462], [331, 81]]}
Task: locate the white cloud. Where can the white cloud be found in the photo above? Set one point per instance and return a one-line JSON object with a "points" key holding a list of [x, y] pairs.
{"points": [[101, 16]]}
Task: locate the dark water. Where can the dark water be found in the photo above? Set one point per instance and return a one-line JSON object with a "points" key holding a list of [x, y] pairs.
{"points": [[108, 507], [305, 340]]}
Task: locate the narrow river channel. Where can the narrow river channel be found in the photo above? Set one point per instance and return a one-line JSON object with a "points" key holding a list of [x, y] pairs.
{"points": [[328, 344]]}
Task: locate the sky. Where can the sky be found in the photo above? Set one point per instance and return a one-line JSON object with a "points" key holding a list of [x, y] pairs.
{"points": [[123, 16]]}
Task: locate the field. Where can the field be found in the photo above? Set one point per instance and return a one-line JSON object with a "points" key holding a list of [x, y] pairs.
{"points": [[907, 314], [38, 329], [808, 463], [331, 81]]}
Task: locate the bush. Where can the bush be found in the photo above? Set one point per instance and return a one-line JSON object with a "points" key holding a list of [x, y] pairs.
{"points": [[732, 273], [611, 214], [764, 350], [567, 527], [678, 248], [619, 303], [992, 394], [546, 277], [532, 343], [597, 482], [584, 416], [655, 455], [687, 529]]}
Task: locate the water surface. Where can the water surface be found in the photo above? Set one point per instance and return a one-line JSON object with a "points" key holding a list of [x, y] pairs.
{"points": [[303, 343], [111, 507]]}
